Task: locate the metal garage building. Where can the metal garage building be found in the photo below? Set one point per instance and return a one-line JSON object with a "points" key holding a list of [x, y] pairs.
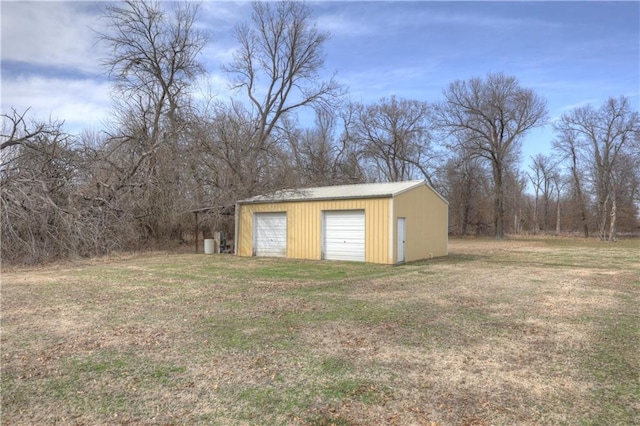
{"points": [[380, 223]]}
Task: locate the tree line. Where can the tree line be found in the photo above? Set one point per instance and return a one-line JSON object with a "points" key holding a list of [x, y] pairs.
{"points": [[165, 152]]}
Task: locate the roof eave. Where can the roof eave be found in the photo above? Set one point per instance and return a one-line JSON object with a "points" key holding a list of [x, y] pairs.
{"points": [[299, 200]]}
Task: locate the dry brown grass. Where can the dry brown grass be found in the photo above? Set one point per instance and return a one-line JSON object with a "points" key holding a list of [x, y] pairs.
{"points": [[538, 331]]}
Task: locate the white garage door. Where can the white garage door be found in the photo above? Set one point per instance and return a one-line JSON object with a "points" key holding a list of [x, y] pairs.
{"points": [[270, 234], [343, 235]]}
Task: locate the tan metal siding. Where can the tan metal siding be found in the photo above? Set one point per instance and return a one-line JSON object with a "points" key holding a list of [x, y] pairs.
{"points": [[426, 224], [377, 232], [305, 230], [304, 226]]}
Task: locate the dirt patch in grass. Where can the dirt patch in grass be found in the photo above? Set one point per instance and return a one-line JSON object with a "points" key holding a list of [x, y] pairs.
{"points": [[529, 331]]}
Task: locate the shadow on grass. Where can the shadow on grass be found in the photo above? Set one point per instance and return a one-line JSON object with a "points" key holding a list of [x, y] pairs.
{"points": [[450, 259]]}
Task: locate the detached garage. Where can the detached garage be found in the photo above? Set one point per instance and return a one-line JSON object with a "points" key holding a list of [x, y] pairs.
{"points": [[380, 223]]}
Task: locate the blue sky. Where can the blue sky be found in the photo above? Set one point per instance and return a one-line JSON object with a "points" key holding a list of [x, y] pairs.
{"points": [[571, 53]]}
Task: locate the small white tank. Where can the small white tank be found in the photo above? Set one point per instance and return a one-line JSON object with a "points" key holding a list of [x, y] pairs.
{"points": [[209, 246]]}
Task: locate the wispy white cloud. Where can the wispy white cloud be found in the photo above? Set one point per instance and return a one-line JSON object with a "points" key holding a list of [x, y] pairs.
{"points": [[484, 20], [217, 54], [213, 85], [340, 24], [578, 104], [412, 81], [224, 15], [56, 34], [51, 62], [367, 19], [80, 103]]}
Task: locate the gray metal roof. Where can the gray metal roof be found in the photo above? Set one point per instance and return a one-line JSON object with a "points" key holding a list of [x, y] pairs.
{"points": [[337, 192]]}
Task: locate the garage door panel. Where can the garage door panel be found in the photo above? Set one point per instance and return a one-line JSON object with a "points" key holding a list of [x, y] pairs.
{"points": [[344, 235], [270, 234]]}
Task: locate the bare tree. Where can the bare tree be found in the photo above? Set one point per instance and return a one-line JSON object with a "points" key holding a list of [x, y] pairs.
{"points": [[45, 176], [625, 186], [537, 178], [490, 116], [394, 136], [17, 131], [320, 155], [153, 63], [515, 182], [232, 164], [37, 200], [468, 183], [602, 137], [541, 176], [570, 148], [153, 56], [558, 184], [277, 65]]}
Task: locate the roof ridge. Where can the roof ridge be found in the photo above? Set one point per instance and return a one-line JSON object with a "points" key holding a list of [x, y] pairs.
{"points": [[351, 184], [357, 190]]}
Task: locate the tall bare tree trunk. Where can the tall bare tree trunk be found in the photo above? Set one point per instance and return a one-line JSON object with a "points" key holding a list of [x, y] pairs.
{"points": [[465, 217], [579, 195], [498, 201], [604, 213], [536, 228], [613, 237], [558, 216]]}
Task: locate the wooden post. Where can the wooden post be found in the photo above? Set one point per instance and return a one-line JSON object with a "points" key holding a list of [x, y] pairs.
{"points": [[196, 213]]}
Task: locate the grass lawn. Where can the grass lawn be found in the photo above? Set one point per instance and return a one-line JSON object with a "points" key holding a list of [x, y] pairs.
{"points": [[525, 331]]}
